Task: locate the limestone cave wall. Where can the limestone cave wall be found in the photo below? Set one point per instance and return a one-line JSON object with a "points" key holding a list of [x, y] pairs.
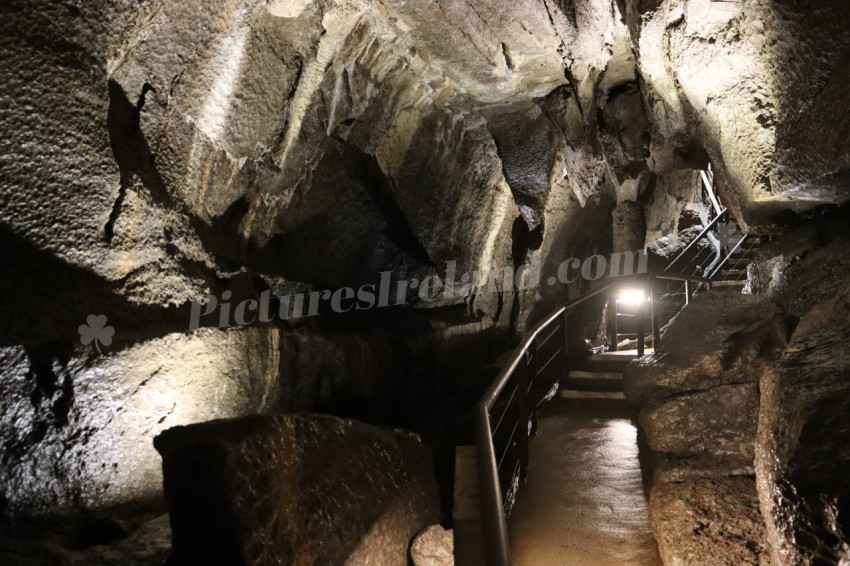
{"points": [[158, 151]]}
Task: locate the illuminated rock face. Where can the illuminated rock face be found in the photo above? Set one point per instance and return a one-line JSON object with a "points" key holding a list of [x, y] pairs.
{"points": [[745, 411], [154, 152], [80, 428], [295, 490], [755, 85], [699, 399]]}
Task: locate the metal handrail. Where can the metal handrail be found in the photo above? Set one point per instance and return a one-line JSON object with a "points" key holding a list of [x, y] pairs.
{"points": [[494, 523], [709, 188], [737, 247], [696, 240]]}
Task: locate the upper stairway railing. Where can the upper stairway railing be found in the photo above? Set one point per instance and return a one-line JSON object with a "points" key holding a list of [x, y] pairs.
{"points": [[506, 416], [705, 256]]}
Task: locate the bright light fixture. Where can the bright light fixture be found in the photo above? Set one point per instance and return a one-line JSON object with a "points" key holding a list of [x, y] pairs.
{"points": [[632, 296]]}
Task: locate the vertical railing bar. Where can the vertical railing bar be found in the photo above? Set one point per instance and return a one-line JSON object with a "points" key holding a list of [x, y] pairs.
{"points": [[511, 440], [523, 379], [656, 329], [494, 525], [613, 300], [640, 329]]}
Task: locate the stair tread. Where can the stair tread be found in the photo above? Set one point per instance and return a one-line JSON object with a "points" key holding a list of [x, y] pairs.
{"points": [[612, 357], [728, 283], [612, 367], [583, 374], [572, 394]]}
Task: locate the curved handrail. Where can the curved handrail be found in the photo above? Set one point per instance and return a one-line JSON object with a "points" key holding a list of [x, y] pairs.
{"points": [[497, 548], [498, 385]]}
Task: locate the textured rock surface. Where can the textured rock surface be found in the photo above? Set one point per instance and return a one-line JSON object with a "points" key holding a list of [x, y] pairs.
{"points": [[802, 461], [699, 398], [296, 489], [666, 203], [718, 421], [433, 547], [157, 151], [710, 522], [752, 84], [80, 427], [723, 339]]}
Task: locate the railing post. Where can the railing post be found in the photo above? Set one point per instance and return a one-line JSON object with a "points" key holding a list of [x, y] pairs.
{"points": [[641, 347], [656, 331], [612, 318], [687, 293], [494, 526], [564, 368], [524, 377]]}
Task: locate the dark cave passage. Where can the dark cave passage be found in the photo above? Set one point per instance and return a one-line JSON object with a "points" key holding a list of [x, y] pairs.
{"points": [[276, 275]]}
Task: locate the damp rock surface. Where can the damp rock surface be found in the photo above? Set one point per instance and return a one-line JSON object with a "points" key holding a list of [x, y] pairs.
{"points": [[711, 522], [81, 427], [720, 339], [295, 489], [699, 400], [803, 461]]}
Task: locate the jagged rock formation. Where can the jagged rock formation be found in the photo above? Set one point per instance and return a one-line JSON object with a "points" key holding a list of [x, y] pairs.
{"points": [[158, 151], [699, 398], [802, 460], [754, 84], [744, 408], [295, 489]]}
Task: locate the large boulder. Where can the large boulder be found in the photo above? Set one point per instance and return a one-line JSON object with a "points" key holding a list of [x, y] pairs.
{"points": [[719, 421], [295, 489], [721, 338]]}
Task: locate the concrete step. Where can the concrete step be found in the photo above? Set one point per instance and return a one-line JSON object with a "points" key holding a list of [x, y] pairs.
{"points": [[612, 364], [729, 283], [595, 381], [570, 394], [745, 254]]}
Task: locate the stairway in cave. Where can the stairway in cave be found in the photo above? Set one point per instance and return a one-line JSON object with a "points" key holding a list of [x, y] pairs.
{"points": [[583, 501], [599, 376], [734, 272]]}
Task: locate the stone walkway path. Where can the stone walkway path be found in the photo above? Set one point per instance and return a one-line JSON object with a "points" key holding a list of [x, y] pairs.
{"points": [[583, 502]]}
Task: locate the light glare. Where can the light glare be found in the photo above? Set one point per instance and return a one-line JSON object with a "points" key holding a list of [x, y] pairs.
{"points": [[632, 296]]}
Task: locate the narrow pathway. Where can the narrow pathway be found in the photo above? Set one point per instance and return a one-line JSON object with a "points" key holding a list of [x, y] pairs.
{"points": [[583, 502]]}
